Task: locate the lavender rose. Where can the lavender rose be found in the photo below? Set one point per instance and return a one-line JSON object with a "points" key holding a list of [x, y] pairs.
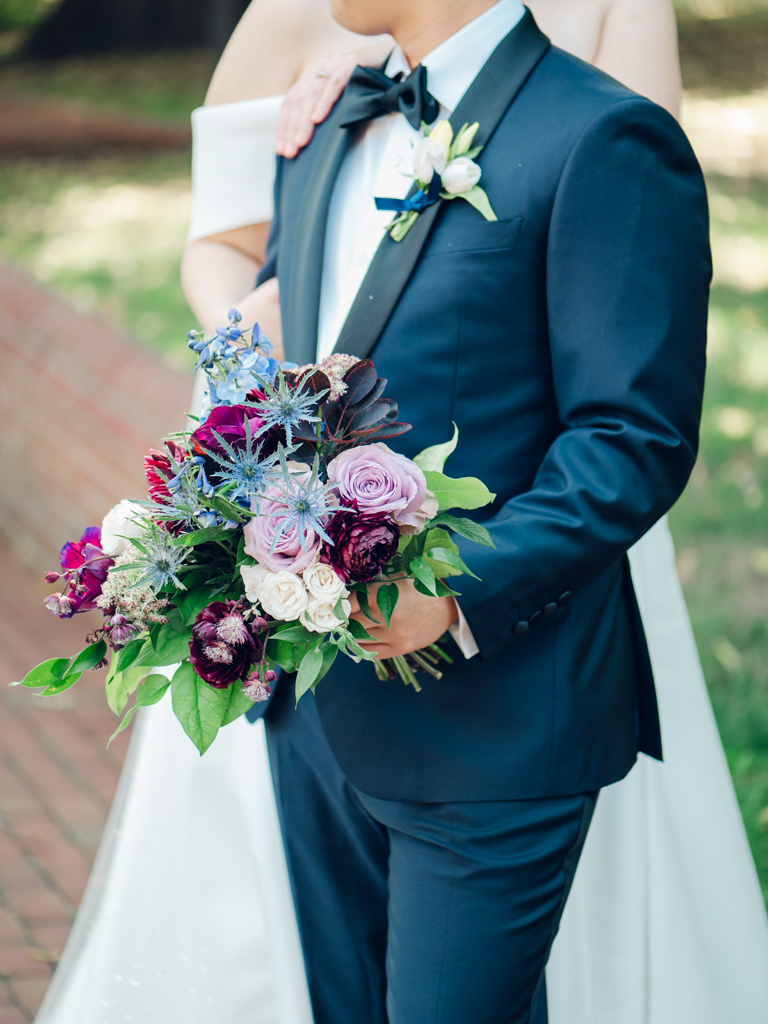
{"points": [[363, 543], [289, 555], [223, 647], [373, 478]]}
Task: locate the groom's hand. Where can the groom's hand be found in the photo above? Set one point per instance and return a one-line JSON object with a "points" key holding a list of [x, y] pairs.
{"points": [[416, 621]]}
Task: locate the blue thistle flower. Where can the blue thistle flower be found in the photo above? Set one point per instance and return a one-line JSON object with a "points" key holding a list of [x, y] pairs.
{"points": [[286, 407], [244, 472], [159, 563], [304, 503]]}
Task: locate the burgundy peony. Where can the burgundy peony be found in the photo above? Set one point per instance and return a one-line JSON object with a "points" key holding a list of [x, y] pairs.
{"points": [[85, 567], [224, 646], [363, 543], [228, 421]]}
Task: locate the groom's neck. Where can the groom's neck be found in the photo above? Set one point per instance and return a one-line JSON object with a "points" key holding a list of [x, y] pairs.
{"points": [[417, 25]]}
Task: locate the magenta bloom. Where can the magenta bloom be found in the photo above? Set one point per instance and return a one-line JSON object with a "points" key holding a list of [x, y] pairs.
{"points": [[224, 646], [228, 421], [85, 567], [363, 543], [375, 479]]}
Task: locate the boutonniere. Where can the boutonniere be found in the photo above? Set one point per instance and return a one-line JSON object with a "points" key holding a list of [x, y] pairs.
{"points": [[445, 168]]}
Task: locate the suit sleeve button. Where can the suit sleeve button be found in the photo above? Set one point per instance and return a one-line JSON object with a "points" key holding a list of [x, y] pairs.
{"points": [[564, 598], [536, 618], [550, 609], [520, 628]]}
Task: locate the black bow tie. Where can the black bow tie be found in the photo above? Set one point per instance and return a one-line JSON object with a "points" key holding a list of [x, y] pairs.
{"points": [[371, 94]]}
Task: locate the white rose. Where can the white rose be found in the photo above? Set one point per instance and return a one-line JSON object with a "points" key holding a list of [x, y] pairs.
{"points": [[253, 577], [283, 595], [461, 175], [428, 156], [120, 522], [323, 583], [319, 616]]}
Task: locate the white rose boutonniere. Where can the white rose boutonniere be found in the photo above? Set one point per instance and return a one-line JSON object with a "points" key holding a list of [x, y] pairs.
{"points": [[444, 168]]}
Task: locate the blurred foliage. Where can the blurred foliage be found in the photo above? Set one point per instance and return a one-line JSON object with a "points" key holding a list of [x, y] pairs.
{"points": [[725, 55], [22, 13], [719, 524], [106, 234], [163, 84]]}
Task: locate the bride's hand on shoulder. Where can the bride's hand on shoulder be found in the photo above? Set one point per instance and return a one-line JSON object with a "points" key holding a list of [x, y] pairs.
{"points": [[311, 99], [262, 306]]}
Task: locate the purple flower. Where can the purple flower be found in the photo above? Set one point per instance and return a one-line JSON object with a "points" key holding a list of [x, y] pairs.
{"points": [[374, 478], [228, 421], [85, 567], [363, 543], [288, 554], [223, 646]]}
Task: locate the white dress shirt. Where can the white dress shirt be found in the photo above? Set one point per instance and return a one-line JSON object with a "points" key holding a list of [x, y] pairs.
{"points": [[379, 163]]}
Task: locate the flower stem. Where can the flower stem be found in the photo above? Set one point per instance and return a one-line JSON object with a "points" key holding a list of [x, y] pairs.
{"points": [[406, 672], [425, 665]]}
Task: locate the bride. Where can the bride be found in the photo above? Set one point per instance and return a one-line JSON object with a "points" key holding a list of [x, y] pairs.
{"points": [[188, 915]]}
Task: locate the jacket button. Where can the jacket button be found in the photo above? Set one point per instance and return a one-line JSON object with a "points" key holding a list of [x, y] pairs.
{"points": [[564, 598], [550, 609], [520, 628], [536, 618]]}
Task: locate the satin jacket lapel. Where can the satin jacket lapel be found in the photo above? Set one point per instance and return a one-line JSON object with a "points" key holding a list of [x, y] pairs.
{"points": [[486, 101], [300, 293]]}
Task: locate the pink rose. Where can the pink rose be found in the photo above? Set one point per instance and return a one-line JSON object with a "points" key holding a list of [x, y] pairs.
{"points": [[376, 479], [289, 555]]}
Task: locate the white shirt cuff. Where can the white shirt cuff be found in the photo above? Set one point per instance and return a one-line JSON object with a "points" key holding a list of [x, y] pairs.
{"points": [[462, 634]]}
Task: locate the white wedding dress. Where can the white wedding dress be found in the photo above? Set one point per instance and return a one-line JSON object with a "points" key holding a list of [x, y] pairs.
{"points": [[188, 917]]}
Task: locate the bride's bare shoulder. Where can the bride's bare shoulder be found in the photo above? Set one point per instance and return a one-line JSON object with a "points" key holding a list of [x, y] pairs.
{"points": [[273, 42]]}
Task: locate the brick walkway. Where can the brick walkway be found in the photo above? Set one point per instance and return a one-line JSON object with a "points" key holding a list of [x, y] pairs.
{"points": [[56, 784]]}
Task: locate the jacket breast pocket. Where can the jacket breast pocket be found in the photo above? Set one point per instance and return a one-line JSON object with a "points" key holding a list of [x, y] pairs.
{"points": [[476, 236]]}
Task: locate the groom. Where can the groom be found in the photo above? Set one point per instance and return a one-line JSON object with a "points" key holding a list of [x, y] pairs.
{"points": [[432, 837]]}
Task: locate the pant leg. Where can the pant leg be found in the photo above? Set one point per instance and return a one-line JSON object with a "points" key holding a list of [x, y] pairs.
{"points": [[476, 891], [337, 859]]}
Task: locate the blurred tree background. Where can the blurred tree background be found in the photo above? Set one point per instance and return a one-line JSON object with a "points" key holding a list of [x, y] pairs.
{"points": [[106, 231]]}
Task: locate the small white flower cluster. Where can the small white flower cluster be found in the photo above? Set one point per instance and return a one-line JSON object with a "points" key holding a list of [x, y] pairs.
{"points": [[119, 595], [311, 598]]}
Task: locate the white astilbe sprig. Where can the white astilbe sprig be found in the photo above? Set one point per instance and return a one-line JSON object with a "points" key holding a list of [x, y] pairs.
{"points": [[122, 592]]}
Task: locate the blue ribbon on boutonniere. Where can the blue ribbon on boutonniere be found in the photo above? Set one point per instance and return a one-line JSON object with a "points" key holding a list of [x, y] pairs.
{"points": [[419, 201]]}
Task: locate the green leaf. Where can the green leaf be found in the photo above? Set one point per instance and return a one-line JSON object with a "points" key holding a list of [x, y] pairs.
{"points": [[453, 559], [204, 536], [125, 658], [89, 658], [434, 458], [402, 224], [309, 670], [386, 599], [150, 692], [239, 703], [359, 632], [466, 492], [61, 685], [295, 634], [365, 608], [122, 685], [199, 707], [355, 651], [466, 528], [329, 656], [229, 509], [283, 654], [463, 139], [439, 539], [192, 603], [478, 198], [443, 590], [422, 571], [46, 673]]}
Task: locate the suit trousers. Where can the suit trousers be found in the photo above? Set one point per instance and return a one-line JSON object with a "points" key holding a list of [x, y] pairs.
{"points": [[418, 913]]}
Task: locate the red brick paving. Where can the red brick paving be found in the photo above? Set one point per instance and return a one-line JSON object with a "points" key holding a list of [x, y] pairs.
{"points": [[56, 782]]}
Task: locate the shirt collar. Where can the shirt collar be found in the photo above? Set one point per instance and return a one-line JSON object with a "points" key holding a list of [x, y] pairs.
{"points": [[454, 64]]}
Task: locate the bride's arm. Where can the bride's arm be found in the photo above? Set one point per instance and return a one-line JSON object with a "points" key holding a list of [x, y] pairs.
{"points": [[274, 41], [638, 46]]}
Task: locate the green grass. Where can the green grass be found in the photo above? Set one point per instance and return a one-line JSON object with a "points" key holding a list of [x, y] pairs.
{"points": [[167, 84], [720, 522]]}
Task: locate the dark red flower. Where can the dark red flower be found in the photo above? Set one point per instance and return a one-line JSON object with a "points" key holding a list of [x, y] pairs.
{"points": [[158, 469], [85, 568], [224, 646], [362, 544]]}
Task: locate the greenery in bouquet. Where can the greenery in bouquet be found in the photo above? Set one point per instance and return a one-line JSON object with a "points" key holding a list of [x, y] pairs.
{"points": [[258, 526]]}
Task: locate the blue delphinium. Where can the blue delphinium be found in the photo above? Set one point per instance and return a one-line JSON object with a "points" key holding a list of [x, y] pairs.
{"points": [[234, 364]]}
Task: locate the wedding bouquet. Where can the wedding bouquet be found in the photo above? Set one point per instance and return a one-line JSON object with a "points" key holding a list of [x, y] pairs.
{"points": [[258, 526]]}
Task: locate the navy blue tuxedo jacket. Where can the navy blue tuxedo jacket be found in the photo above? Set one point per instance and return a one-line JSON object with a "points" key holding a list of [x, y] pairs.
{"points": [[567, 341]]}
